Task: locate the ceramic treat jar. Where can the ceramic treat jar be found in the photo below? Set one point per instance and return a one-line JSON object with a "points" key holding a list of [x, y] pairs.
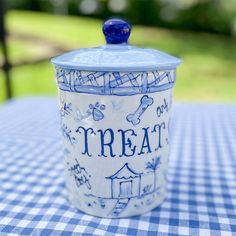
{"points": [[115, 106]]}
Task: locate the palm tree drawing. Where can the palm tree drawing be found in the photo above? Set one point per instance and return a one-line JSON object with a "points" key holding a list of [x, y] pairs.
{"points": [[153, 166]]}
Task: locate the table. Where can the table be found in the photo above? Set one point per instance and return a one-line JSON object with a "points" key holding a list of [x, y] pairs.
{"points": [[201, 197]]}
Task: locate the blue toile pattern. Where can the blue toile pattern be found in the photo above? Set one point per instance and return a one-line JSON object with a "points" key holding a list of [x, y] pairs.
{"points": [[114, 83]]}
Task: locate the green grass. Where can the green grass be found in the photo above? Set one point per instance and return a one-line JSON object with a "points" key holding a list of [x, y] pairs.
{"points": [[207, 73]]}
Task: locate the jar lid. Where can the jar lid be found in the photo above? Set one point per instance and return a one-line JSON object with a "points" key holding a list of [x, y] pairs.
{"points": [[117, 54]]}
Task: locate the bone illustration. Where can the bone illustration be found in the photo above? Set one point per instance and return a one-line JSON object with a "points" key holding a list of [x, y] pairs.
{"points": [[145, 102]]}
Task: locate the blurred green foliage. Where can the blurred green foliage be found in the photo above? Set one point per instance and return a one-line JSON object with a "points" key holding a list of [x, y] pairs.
{"points": [[207, 73], [217, 16]]}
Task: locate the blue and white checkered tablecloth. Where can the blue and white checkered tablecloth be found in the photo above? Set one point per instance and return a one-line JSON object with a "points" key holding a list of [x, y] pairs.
{"points": [[201, 197]]}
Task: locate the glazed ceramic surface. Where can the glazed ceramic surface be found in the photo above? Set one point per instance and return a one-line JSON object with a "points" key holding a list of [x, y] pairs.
{"points": [[115, 127]]}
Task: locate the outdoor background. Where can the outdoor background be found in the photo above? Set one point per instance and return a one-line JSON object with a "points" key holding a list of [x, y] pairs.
{"points": [[201, 32]]}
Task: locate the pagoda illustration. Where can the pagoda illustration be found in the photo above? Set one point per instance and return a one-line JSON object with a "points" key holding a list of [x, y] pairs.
{"points": [[125, 183]]}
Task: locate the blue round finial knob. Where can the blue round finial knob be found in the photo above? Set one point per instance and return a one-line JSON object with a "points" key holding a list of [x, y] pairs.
{"points": [[116, 31]]}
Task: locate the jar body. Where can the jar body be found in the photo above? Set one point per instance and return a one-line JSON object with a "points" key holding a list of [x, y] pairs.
{"points": [[116, 140]]}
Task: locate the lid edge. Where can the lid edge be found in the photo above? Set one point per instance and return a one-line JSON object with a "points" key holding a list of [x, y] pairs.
{"points": [[65, 65]]}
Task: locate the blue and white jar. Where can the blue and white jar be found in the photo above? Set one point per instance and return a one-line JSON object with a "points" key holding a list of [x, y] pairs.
{"points": [[115, 105]]}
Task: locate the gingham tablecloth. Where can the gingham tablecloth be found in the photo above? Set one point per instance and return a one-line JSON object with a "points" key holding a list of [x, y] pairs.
{"points": [[201, 197]]}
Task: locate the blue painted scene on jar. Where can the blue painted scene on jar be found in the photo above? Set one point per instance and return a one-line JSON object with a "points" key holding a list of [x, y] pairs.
{"points": [[127, 187]]}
